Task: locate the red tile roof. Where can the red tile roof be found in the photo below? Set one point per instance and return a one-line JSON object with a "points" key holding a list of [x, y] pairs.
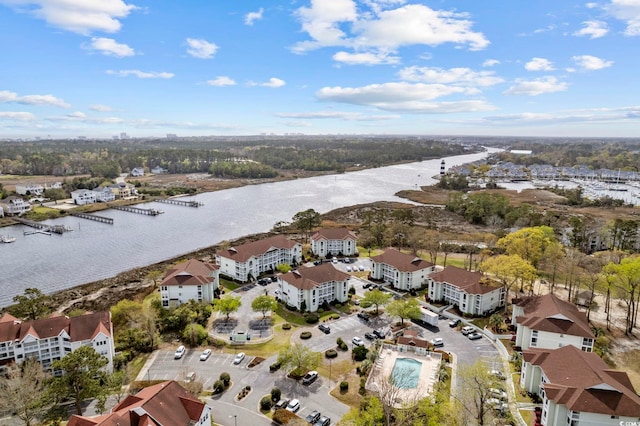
{"points": [[334, 234], [549, 313], [191, 272], [243, 252], [166, 403], [308, 277], [83, 327], [584, 382], [401, 261], [471, 282]]}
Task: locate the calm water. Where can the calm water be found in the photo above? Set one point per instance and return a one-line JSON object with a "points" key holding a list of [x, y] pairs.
{"points": [[94, 250]]}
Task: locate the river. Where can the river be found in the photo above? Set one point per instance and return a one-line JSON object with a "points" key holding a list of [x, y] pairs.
{"points": [[94, 250]]}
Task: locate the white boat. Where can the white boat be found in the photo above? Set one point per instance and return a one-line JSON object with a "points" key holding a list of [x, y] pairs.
{"points": [[7, 239]]}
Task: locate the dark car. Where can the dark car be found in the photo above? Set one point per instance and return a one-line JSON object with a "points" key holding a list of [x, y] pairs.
{"points": [[454, 323], [366, 285], [363, 316], [379, 334], [313, 416], [264, 281], [324, 328], [370, 336], [309, 378], [323, 421]]}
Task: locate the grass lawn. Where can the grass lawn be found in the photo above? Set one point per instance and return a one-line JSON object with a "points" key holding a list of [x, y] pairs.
{"points": [[136, 364], [281, 340], [290, 316], [229, 285], [351, 397]]}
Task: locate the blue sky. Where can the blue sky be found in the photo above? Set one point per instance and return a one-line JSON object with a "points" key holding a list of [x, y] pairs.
{"points": [[243, 67]]}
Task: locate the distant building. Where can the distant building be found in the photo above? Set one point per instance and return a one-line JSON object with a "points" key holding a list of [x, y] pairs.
{"points": [[82, 197], [333, 242], [158, 170], [190, 280], [403, 271], [137, 171], [14, 206]]}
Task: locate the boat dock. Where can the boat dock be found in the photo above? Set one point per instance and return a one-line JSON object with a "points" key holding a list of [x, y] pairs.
{"points": [[44, 228], [180, 202], [131, 209], [94, 217]]}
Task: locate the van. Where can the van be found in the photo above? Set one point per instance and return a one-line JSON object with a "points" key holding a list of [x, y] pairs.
{"points": [[190, 377], [468, 329]]}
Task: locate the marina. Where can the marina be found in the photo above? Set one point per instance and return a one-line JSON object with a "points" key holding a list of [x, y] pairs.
{"points": [[93, 217], [186, 203]]}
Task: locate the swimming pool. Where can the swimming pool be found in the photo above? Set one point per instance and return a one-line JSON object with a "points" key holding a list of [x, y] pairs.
{"points": [[406, 373]]}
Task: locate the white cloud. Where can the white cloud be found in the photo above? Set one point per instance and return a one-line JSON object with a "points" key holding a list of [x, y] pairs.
{"points": [[221, 81], [591, 63], [17, 116], [12, 97], [593, 29], [109, 47], [100, 108], [273, 82], [79, 16], [369, 58], [141, 74], [250, 17], [384, 30], [627, 11], [77, 114], [539, 64], [600, 115], [536, 87], [341, 115], [458, 76], [490, 63], [199, 48]]}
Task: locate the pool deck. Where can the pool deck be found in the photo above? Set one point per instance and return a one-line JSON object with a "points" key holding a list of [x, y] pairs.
{"points": [[384, 366]]}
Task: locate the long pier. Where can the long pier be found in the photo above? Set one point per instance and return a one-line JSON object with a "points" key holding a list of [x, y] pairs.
{"points": [[56, 229], [180, 202], [138, 210], [94, 217]]}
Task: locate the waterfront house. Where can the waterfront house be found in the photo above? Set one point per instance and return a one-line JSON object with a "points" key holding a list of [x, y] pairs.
{"points": [[14, 206], [578, 388], [470, 291], [104, 194], [82, 197], [50, 339], [165, 403], [247, 261], [310, 287], [333, 242], [122, 190], [190, 280], [403, 271], [549, 322], [29, 189]]}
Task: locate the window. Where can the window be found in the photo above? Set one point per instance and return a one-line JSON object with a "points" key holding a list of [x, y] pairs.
{"points": [[534, 338]]}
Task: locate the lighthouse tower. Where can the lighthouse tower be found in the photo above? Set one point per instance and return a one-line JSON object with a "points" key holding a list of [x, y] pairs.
{"points": [[442, 168]]}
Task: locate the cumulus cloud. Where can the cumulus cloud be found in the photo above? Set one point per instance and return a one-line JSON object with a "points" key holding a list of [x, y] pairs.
{"points": [[77, 114], [384, 27], [593, 29], [536, 87], [78, 16], [12, 97], [17, 116], [591, 63], [490, 63], [221, 81], [109, 47], [539, 64], [627, 11], [199, 48], [458, 76], [250, 17], [100, 108], [141, 74], [600, 115], [273, 83], [369, 58]]}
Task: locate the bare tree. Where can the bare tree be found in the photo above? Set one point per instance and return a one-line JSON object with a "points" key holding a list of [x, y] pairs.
{"points": [[22, 391], [473, 394], [399, 391]]}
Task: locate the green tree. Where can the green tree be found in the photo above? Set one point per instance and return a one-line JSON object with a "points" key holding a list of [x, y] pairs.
{"points": [[404, 309], [474, 401], [22, 391], [528, 243], [32, 305], [82, 376], [627, 274], [194, 334], [306, 220], [125, 313], [369, 413], [375, 298], [496, 322], [509, 269], [264, 304], [299, 358], [227, 305]]}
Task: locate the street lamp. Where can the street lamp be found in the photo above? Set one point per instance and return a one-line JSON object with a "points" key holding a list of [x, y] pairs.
{"points": [[235, 419], [329, 368]]}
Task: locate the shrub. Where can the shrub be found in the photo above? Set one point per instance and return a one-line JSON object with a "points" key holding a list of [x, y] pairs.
{"points": [[276, 394], [226, 378], [360, 353], [352, 290], [341, 344], [331, 353], [286, 326], [266, 403], [247, 388], [312, 318], [283, 417], [320, 311], [305, 335], [274, 367], [218, 386], [335, 316], [344, 386], [363, 383], [338, 305]]}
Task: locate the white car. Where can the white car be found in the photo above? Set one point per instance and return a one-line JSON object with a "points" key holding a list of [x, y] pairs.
{"points": [[239, 357], [205, 355], [179, 352], [357, 341], [293, 406], [437, 341]]}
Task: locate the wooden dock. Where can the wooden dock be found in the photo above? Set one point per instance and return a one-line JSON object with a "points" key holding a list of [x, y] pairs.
{"points": [[138, 210], [180, 202], [94, 217], [56, 229]]}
